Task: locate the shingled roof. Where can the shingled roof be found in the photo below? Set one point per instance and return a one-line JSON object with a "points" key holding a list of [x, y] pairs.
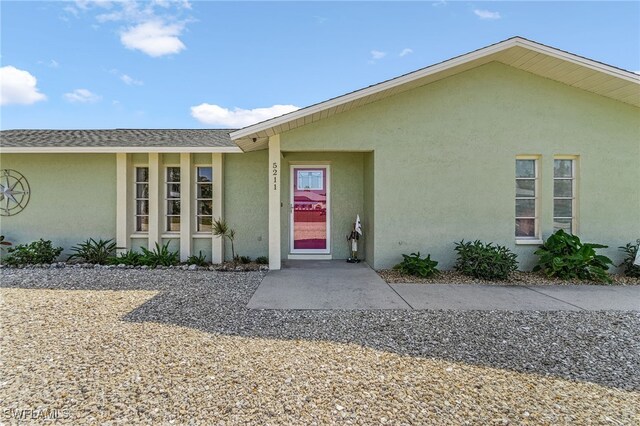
{"points": [[117, 138]]}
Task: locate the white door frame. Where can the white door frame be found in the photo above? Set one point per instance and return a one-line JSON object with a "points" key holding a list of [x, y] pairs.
{"points": [[323, 254]]}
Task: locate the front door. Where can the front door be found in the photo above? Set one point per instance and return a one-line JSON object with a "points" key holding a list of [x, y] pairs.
{"points": [[310, 209]]}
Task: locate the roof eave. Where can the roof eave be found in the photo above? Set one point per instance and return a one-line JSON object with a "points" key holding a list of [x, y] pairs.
{"points": [[580, 60], [268, 125], [250, 130], [116, 149]]}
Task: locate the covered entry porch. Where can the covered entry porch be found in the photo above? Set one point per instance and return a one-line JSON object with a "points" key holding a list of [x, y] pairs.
{"points": [[314, 199]]}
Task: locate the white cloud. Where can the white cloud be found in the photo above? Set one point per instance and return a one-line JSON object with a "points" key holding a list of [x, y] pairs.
{"points": [[237, 117], [439, 3], [152, 27], [126, 78], [130, 81], [71, 10], [406, 51], [154, 38], [161, 3], [18, 87], [83, 96], [80, 6], [85, 4], [129, 11], [486, 14], [376, 54], [52, 63]]}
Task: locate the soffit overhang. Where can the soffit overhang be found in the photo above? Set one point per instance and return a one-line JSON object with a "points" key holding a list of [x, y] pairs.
{"points": [[517, 52]]}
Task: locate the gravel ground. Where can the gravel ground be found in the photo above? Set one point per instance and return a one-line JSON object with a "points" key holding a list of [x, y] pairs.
{"points": [[517, 278], [179, 346]]}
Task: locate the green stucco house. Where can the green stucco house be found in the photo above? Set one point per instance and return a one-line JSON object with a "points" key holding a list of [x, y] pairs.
{"points": [[506, 144]]}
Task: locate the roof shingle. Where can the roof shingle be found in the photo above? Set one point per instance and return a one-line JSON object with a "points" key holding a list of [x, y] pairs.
{"points": [[117, 138]]}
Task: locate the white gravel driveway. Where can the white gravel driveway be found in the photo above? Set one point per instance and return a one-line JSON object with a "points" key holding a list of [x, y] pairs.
{"points": [[161, 347]]}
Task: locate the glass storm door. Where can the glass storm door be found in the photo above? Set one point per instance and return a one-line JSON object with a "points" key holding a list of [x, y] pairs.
{"points": [[310, 209]]}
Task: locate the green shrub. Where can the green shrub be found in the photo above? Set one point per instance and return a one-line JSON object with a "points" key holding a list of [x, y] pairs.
{"points": [[262, 260], [630, 269], [199, 260], [244, 259], [129, 258], [40, 251], [485, 261], [92, 251], [564, 256], [413, 264], [160, 256]]}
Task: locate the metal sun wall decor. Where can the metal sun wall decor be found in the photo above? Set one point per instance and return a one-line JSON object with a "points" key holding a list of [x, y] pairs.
{"points": [[14, 192]]}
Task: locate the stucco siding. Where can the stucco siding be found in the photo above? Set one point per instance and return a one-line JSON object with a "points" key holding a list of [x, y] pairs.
{"points": [[73, 198], [202, 245], [174, 243], [246, 201], [137, 243], [445, 153]]}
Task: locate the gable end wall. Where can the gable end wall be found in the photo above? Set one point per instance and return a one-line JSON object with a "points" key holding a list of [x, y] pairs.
{"points": [[444, 159]]}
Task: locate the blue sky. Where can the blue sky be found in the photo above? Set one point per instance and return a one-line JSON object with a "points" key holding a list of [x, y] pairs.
{"points": [[211, 64]]}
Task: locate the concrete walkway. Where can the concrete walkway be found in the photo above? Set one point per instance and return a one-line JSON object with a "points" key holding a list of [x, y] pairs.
{"points": [[325, 284], [468, 297], [335, 284]]}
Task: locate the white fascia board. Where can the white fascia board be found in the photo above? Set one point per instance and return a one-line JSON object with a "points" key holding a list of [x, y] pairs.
{"points": [[113, 150], [579, 60], [433, 69], [442, 66]]}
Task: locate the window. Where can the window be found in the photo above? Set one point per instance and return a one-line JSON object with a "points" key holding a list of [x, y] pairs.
{"points": [[204, 199], [173, 199], [564, 191], [527, 198], [310, 180], [142, 199]]}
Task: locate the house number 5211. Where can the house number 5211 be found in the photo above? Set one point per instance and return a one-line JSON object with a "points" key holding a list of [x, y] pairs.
{"points": [[274, 172]]}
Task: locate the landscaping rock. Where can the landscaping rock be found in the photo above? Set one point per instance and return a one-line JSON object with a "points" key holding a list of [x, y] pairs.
{"points": [[517, 278], [164, 346]]}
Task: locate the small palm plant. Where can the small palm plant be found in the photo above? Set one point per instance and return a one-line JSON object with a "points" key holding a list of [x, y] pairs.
{"points": [[92, 251], [159, 256], [222, 230]]}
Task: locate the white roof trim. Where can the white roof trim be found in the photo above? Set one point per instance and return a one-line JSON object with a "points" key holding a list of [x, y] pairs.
{"points": [[115, 149], [433, 69], [579, 60]]}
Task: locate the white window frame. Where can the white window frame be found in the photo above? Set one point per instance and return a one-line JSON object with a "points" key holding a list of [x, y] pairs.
{"points": [[327, 168], [166, 183], [536, 239], [196, 184], [574, 191], [136, 199]]}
